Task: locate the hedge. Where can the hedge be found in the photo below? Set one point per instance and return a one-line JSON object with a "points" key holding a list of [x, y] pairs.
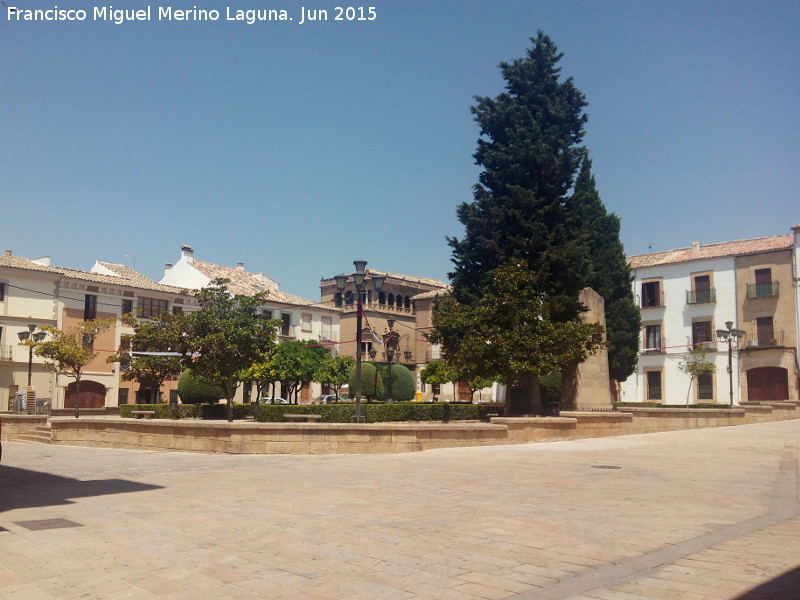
{"points": [[343, 412], [187, 411]]}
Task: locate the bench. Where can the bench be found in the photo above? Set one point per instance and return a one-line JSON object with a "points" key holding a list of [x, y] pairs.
{"points": [[293, 418], [142, 414]]}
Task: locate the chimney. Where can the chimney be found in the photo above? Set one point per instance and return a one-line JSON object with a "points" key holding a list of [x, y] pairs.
{"points": [[167, 267], [8, 253], [240, 266], [696, 246], [187, 252]]}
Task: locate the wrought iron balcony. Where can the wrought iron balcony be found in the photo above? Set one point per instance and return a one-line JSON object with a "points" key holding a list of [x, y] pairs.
{"points": [[762, 290], [701, 296]]}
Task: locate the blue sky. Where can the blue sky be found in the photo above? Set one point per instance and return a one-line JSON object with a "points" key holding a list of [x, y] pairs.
{"points": [[298, 148]]}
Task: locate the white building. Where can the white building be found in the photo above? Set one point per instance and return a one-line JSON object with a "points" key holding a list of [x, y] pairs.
{"points": [[687, 294]]}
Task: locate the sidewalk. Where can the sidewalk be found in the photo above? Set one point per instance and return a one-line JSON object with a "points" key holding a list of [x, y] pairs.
{"points": [[703, 514]]}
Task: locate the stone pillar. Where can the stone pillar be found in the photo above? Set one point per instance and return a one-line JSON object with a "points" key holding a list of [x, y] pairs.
{"points": [[587, 386]]}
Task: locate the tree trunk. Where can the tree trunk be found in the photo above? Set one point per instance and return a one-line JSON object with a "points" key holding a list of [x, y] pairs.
{"points": [[77, 395], [525, 398]]}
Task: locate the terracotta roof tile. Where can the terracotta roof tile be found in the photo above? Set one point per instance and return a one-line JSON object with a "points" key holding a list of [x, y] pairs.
{"points": [[720, 250]]}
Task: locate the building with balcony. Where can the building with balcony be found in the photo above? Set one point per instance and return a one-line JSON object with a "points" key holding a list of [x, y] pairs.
{"points": [[396, 300], [34, 293], [687, 294]]}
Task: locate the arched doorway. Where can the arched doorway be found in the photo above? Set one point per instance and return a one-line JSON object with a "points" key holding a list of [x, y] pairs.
{"points": [[768, 383], [93, 395]]}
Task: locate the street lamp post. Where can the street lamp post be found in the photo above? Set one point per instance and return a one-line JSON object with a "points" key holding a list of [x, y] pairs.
{"points": [[30, 338], [730, 335], [359, 279], [390, 340]]}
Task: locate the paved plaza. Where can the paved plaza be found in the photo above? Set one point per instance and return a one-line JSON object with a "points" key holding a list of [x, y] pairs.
{"points": [[707, 514]]}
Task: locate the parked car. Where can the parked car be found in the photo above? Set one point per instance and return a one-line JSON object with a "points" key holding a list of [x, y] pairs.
{"points": [[326, 399], [268, 400]]}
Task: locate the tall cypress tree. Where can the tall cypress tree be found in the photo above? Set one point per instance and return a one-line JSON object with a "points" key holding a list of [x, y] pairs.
{"points": [[530, 152], [609, 274]]}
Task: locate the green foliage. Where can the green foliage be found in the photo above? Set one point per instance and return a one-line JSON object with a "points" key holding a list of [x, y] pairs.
{"points": [[335, 371], [609, 274], [225, 337], [438, 372], [403, 385], [533, 209], [372, 386], [529, 148], [194, 390], [296, 362], [187, 411], [508, 332], [382, 413], [151, 336], [69, 351]]}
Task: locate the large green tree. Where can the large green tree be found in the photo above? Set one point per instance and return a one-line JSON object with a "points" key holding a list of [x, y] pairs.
{"points": [[296, 362], [508, 334], [524, 210], [529, 149], [335, 371], [609, 274], [225, 337]]}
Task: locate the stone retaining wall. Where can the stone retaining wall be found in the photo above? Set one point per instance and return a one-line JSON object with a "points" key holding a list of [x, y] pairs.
{"points": [[342, 438]]}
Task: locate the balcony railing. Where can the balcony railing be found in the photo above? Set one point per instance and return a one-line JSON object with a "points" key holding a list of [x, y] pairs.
{"points": [[762, 290], [701, 296], [765, 341]]}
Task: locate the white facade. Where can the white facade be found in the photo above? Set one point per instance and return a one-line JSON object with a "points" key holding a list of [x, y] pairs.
{"points": [[677, 319]]}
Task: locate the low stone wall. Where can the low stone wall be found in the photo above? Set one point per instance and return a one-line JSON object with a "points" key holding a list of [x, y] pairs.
{"points": [[272, 438], [243, 437], [14, 425]]}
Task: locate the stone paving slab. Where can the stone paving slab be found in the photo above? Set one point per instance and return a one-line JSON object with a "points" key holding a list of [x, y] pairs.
{"points": [[693, 515]]}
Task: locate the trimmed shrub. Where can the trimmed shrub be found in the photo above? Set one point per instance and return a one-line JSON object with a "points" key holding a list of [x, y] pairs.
{"points": [[370, 380], [194, 391], [403, 385]]}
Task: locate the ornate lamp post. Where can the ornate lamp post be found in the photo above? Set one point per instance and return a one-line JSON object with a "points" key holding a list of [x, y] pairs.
{"points": [[390, 341], [359, 277], [30, 338], [730, 335]]}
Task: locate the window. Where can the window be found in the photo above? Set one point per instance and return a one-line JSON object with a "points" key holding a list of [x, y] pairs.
{"points": [[701, 333], [366, 347], [765, 331], [286, 325], [147, 308], [705, 387], [122, 398], [651, 294], [348, 298], [173, 395], [654, 385], [381, 298], [89, 307], [652, 338], [399, 301], [764, 286], [176, 310], [127, 307], [337, 299], [2, 291], [326, 328], [702, 293], [305, 322]]}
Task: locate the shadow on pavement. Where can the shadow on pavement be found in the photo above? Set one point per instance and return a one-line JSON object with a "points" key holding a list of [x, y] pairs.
{"points": [[783, 587], [22, 488]]}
